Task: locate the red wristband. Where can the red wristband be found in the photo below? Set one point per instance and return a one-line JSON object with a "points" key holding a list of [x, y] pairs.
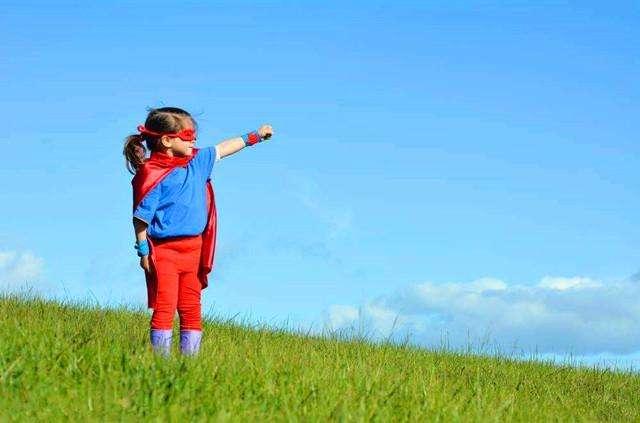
{"points": [[251, 138]]}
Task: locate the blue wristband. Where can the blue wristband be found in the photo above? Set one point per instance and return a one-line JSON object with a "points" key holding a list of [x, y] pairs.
{"points": [[251, 138], [142, 247]]}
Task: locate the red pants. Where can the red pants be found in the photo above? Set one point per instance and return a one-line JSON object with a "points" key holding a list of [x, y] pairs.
{"points": [[176, 262]]}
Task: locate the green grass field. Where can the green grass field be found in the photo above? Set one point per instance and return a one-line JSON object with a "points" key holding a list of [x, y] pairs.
{"points": [[64, 361]]}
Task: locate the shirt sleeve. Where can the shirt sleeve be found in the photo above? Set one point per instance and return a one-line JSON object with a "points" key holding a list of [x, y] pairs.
{"points": [[147, 207], [205, 159]]}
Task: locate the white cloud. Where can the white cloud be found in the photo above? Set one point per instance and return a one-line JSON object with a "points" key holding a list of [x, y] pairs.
{"points": [[558, 315], [19, 269], [562, 284], [108, 280], [341, 315]]}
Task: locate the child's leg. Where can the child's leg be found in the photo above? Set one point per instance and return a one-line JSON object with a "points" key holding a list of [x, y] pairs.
{"points": [[189, 310], [166, 301]]}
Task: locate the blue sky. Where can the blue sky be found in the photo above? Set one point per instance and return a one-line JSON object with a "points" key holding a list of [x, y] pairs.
{"points": [[423, 154]]}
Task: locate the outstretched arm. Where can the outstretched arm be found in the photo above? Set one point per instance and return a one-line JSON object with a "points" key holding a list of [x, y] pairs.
{"points": [[233, 145]]}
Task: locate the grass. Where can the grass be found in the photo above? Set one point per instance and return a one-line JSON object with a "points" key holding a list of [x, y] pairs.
{"points": [[69, 361]]}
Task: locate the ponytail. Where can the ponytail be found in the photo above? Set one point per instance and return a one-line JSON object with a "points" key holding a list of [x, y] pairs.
{"points": [[134, 152]]}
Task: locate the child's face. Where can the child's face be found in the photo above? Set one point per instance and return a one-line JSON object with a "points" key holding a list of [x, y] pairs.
{"points": [[178, 147]]}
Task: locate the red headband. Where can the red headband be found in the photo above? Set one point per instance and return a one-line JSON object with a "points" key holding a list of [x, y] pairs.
{"points": [[184, 135]]}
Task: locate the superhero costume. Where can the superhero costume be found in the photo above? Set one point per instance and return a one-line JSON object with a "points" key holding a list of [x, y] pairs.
{"points": [[147, 177]]}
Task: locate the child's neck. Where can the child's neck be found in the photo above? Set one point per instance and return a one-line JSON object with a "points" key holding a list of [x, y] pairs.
{"points": [[169, 152]]}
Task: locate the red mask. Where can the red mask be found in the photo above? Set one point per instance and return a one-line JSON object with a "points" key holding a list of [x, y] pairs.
{"points": [[184, 135]]}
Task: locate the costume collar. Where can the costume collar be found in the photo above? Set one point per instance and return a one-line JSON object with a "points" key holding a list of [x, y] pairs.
{"points": [[165, 160]]}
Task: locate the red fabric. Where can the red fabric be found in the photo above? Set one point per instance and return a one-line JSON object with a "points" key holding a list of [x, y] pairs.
{"points": [[176, 266], [149, 175], [185, 135], [253, 138]]}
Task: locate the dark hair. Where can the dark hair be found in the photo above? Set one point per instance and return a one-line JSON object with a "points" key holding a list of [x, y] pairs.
{"points": [[164, 119]]}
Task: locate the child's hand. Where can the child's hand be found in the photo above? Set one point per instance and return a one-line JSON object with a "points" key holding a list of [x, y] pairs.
{"points": [[265, 132], [144, 263]]}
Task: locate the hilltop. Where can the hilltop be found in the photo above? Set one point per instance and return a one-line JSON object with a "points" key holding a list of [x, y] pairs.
{"points": [[71, 361]]}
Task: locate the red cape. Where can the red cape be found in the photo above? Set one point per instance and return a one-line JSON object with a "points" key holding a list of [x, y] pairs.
{"points": [[150, 174]]}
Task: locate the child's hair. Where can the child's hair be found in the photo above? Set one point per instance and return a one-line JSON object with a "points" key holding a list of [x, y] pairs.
{"points": [[164, 119]]}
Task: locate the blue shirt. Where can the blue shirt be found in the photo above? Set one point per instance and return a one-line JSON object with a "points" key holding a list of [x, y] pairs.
{"points": [[177, 206]]}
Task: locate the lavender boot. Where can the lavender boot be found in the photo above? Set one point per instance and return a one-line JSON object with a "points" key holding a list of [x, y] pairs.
{"points": [[190, 341], [161, 341]]}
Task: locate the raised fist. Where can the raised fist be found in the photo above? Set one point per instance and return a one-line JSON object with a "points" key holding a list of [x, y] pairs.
{"points": [[265, 132]]}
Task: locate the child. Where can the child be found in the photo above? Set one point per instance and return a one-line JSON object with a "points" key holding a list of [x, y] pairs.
{"points": [[174, 218]]}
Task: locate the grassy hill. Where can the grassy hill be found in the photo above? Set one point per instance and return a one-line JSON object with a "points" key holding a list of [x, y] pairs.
{"points": [[63, 361]]}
